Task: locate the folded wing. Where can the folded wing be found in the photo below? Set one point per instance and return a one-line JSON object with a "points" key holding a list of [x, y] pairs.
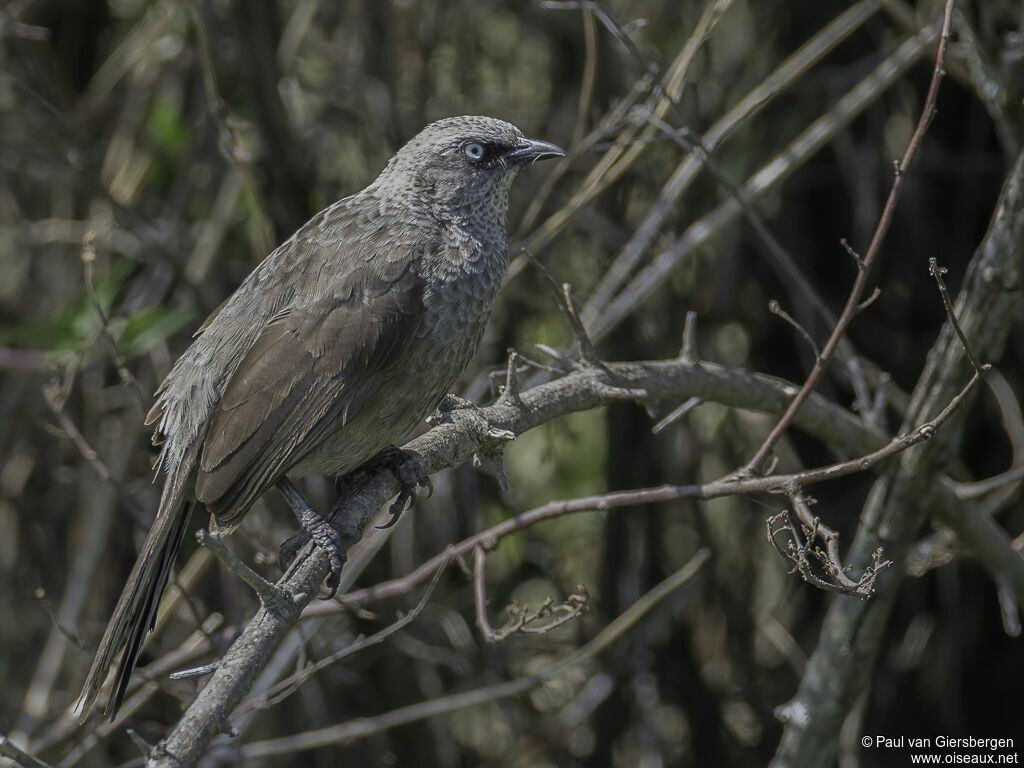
{"points": [[302, 380]]}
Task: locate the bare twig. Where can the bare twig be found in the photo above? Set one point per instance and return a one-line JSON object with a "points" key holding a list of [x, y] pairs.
{"points": [[781, 165], [776, 309], [874, 248], [516, 618], [983, 487], [676, 414], [937, 272], [365, 726], [587, 353], [510, 392], [88, 256], [289, 685], [270, 596], [808, 559], [1013, 425], [520, 617]]}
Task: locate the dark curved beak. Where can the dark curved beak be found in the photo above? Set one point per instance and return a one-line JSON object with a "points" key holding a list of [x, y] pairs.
{"points": [[532, 150]]}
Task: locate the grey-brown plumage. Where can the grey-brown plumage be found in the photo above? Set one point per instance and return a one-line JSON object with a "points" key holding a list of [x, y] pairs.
{"points": [[335, 347]]}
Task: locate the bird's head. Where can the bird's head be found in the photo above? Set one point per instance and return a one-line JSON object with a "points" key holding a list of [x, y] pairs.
{"points": [[463, 166]]}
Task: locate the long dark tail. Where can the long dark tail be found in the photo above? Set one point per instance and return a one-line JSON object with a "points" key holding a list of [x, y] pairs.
{"points": [[135, 612]]}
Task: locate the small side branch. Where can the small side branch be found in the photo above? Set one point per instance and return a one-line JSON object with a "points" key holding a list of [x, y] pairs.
{"points": [[937, 272], [587, 353], [853, 301], [822, 568], [521, 619], [270, 596]]}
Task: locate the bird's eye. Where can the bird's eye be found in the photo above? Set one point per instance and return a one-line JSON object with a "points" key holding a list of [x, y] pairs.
{"points": [[474, 151]]}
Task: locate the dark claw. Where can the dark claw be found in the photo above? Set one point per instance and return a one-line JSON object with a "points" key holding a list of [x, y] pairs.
{"points": [[410, 474], [398, 506], [402, 502]]}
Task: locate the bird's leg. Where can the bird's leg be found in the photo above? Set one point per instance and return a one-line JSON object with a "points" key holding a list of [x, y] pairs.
{"points": [[322, 533], [410, 473]]}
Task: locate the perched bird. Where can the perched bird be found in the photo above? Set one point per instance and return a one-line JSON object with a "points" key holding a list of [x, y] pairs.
{"points": [[331, 350]]}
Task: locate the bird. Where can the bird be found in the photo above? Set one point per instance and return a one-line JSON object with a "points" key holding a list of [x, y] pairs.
{"points": [[330, 352]]}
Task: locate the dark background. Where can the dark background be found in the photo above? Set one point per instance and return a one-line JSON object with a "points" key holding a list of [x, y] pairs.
{"points": [[106, 125]]}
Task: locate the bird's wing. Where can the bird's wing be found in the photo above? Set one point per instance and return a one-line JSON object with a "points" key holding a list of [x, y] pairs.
{"points": [[302, 379]]}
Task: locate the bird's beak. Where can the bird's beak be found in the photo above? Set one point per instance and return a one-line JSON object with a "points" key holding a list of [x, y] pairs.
{"points": [[532, 150]]}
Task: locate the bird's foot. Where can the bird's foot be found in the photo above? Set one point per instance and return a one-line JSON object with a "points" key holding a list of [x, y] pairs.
{"points": [[411, 475], [452, 402], [448, 404], [316, 528]]}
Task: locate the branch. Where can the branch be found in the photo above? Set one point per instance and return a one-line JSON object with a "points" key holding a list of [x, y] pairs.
{"points": [[468, 431], [728, 485], [652, 277], [860, 283], [365, 726], [20, 758], [840, 668]]}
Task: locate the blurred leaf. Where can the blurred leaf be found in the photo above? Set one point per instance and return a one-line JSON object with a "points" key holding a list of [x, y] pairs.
{"points": [[166, 127], [167, 133], [77, 321], [153, 324]]}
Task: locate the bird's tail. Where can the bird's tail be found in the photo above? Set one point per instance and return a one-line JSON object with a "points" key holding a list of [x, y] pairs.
{"points": [[135, 612]]}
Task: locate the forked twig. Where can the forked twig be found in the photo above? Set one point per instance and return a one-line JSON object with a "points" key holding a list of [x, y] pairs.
{"points": [[521, 619], [822, 568], [874, 248], [937, 272], [282, 689]]}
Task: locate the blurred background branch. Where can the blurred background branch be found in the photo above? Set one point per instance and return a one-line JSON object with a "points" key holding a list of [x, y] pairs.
{"points": [[724, 155]]}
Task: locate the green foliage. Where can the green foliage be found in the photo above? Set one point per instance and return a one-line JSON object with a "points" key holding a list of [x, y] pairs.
{"points": [[139, 332], [166, 127], [78, 323]]}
